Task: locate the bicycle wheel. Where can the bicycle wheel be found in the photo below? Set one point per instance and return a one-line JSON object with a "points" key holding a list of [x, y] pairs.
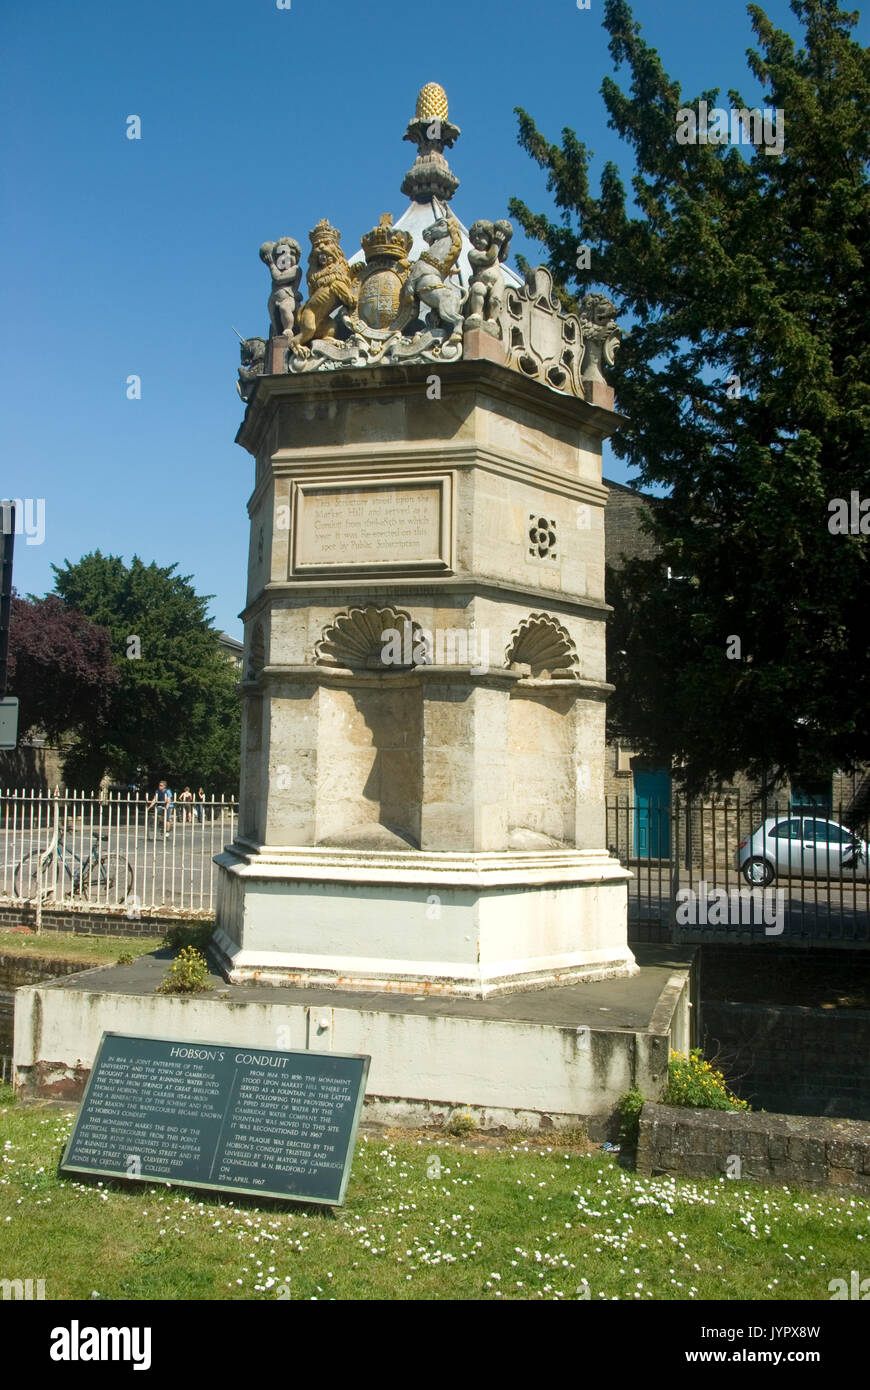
{"points": [[109, 881], [25, 881]]}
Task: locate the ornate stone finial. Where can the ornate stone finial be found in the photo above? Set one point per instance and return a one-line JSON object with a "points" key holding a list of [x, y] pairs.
{"points": [[431, 176], [432, 102]]}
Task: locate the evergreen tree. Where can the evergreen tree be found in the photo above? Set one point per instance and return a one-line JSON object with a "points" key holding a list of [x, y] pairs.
{"points": [[746, 380]]}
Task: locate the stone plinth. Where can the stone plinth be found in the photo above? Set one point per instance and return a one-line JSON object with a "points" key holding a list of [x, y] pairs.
{"points": [[421, 923]]}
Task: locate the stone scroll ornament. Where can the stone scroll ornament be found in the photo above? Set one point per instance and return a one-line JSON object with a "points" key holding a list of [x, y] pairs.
{"points": [[543, 342]]}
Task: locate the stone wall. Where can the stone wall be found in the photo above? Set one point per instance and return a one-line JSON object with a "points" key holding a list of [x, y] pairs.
{"points": [[30, 970], [809, 1151]]}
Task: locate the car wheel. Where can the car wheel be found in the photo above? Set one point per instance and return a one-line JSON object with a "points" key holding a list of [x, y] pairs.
{"points": [[758, 873]]}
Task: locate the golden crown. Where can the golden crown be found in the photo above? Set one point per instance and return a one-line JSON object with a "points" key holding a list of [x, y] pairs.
{"points": [[386, 240], [324, 235]]}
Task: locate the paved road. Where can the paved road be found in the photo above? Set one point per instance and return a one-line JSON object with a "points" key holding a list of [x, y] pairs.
{"points": [[796, 911]]}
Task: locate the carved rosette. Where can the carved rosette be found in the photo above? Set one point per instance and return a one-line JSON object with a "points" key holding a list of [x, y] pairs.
{"points": [[545, 646], [357, 640]]}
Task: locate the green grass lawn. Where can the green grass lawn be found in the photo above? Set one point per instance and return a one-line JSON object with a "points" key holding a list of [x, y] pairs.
{"points": [[425, 1218], [65, 945]]}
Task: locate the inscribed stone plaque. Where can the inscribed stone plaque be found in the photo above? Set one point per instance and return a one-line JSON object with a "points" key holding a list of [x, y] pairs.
{"points": [[216, 1115], [402, 523]]}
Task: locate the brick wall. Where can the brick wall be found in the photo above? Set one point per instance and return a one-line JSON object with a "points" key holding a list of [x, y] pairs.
{"points": [[623, 535], [104, 921], [808, 1150]]}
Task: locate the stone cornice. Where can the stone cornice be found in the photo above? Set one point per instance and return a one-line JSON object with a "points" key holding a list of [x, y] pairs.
{"points": [[406, 590], [492, 869], [311, 672], [501, 382]]}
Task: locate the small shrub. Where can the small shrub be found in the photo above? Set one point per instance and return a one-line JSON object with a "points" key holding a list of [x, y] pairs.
{"points": [[126, 958], [461, 1124], [693, 1082], [196, 934], [629, 1105], [188, 974]]}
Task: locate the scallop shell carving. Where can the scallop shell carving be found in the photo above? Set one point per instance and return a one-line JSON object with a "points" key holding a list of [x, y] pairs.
{"points": [[546, 646], [355, 640]]}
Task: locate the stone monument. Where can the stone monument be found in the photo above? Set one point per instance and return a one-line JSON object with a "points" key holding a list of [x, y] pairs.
{"points": [[424, 687]]}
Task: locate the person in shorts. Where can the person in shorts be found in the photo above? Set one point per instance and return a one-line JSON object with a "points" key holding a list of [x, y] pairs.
{"points": [[162, 799]]}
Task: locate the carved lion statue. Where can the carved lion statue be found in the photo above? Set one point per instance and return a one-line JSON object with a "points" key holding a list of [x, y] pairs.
{"points": [[330, 283]]}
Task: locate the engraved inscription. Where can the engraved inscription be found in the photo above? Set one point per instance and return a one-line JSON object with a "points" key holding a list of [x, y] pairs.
{"points": [[212, 1115], [390, 525]]}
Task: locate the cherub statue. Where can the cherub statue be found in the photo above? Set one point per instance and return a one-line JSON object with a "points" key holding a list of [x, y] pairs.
{"points": [[282, 257], [600, 334], [483, 306], [427, 280], [330, 283], [253, 354]]}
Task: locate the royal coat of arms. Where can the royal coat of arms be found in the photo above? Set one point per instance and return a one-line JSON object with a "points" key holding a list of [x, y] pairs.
{"points": [[380, 279]]}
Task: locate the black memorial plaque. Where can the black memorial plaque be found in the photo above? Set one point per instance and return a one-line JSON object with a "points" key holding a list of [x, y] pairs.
{"points": [[213, 1115]]}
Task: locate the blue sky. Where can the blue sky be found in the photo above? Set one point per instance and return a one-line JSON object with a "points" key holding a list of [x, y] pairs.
{"points": [[125, 257]]}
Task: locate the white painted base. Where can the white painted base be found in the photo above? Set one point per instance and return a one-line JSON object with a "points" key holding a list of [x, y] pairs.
{"points": [[421, 923]]}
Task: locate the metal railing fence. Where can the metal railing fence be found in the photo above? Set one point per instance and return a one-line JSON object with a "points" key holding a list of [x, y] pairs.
{"points": [[73, 847], [708, 869]]}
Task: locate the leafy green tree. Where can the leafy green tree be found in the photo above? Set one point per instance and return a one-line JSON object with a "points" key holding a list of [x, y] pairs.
{"points": [[175, 712], [746, 382]]}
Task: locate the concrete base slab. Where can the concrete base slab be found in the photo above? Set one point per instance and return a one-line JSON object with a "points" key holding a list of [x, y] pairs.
{"points": [[547, 1057]]}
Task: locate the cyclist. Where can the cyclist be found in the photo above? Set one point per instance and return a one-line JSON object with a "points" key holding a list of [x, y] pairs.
{"points": [[162, 798]]}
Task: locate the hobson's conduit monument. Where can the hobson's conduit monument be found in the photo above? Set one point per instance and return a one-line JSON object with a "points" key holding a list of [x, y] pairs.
{"points": [[424, 688], [420, 873]]}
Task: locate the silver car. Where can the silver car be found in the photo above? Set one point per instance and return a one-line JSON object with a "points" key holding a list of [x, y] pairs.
{"points": [[801, 847]]}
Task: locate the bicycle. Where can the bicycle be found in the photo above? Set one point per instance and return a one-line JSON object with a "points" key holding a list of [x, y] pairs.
{"points": [[98, 877]]}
